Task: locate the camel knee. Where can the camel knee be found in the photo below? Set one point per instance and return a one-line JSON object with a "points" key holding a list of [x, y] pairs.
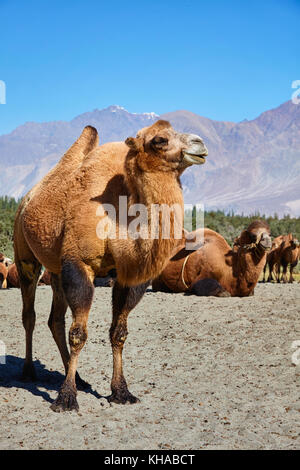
{"points": [[118, 335], [77, 336]]}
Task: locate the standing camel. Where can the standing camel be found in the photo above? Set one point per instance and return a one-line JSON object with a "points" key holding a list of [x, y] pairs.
{"points": [[273, 258], [284, 253], [57, 226], [289, 256], [216, 269]]}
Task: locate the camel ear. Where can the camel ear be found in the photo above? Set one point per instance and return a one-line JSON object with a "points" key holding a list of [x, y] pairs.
{"points": [[134, 143]]}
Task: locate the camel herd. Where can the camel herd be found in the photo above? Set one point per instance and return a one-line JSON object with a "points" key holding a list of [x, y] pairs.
{"points": [[56, 227]]}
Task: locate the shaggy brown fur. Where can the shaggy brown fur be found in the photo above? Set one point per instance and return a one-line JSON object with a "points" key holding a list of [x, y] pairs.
{"points": [[233, 271], [56, 227]]}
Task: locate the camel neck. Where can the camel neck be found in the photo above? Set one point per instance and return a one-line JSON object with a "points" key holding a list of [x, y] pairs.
{"points": [[153, 187], [248, 265], [161, 196]]}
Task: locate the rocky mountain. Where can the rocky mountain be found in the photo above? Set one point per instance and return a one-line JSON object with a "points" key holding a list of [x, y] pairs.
{"points": [[252, 165]]}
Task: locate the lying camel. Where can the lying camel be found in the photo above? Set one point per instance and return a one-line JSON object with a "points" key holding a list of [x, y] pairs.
{"points": [[3, 276], [13, 277], [216, 269], [57, 226], [5, 260]]}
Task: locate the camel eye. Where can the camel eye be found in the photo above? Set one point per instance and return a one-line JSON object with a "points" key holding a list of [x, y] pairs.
{"points": [[159, 142]]}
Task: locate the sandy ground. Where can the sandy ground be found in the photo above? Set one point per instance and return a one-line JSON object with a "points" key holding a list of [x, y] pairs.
{"points": [[211, 374]]}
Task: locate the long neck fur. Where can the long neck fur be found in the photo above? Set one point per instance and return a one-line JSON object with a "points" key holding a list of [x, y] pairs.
{"points": [[247, 266], [144, 259]]}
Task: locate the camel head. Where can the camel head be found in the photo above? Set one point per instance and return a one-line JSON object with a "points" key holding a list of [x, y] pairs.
{"points": [[159, 147], [294, 243], [291, 241], [4, 260], [256, 235]]}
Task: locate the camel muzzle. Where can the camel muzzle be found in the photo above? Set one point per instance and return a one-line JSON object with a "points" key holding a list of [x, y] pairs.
{"points": [[196, 151], [266, 242]]}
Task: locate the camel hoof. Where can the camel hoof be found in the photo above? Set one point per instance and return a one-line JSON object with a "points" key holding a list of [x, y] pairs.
{"points": [[81, 384], [66, 400], [28, 374], [122, 397]]}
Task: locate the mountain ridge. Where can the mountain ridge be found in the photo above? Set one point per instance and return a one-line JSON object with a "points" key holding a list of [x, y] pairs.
{"points": [[252, 165]]}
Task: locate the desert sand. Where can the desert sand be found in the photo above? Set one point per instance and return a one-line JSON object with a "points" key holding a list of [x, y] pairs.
{"points": [[211, 373]]}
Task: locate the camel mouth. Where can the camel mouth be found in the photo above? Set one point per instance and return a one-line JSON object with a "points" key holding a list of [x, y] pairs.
{"points": [[266, 243], [195, 159]]}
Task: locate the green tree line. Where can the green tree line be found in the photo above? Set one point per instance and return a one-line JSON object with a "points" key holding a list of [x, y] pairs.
{"points": [[229, 225]]}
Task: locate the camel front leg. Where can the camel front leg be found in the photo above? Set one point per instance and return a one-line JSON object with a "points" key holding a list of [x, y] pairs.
{"points": [[284, 273], [277, 270], [78, 289], [292, 266], [124, 300], [271, 267]]}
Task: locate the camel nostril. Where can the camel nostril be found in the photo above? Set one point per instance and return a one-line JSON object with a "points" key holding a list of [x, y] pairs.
{"points": [[197, 140]]}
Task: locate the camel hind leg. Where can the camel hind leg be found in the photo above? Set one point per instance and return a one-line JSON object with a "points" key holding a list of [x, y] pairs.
{"points": [[56, 324], [78, 289], [29, 272], [292, 266]]}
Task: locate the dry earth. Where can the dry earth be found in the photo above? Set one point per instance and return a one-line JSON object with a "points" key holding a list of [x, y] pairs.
{"points": [[211, 374]]}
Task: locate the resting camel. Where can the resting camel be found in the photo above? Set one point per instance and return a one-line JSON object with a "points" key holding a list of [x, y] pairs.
{"points": [[216, 269], [5, 260], [3, 276], [57, 226]]}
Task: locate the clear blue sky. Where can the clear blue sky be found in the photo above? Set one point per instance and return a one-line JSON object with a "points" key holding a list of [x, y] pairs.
{"points": [[226, 60]]}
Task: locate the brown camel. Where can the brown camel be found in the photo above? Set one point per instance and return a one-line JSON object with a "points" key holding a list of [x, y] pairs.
{"points": [[289, 256], [284, 253], [3, 276], [13, 277], [273, 258], [57, 226], [216, 269], [5, 260]]}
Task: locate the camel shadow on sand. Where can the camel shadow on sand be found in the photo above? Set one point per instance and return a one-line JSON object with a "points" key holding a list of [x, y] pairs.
{"points": [[11, 372]]}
